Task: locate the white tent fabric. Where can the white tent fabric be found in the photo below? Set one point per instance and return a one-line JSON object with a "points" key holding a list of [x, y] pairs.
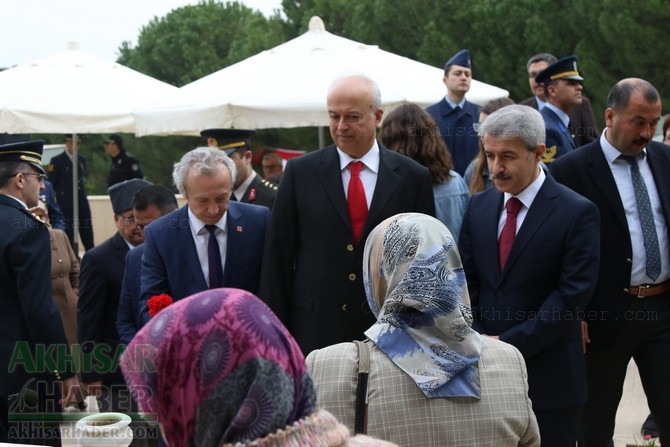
{"points": [[72, 91], [286, 86]]}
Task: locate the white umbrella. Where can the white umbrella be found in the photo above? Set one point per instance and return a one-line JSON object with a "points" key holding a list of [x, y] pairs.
{"points": [[74, 92], [286, 86]]}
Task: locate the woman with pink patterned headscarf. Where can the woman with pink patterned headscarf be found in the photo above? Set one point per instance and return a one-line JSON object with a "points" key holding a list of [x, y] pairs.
{"points": [[219, 368]]}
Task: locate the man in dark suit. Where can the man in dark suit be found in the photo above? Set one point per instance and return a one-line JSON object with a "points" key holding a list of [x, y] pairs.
{"points": [[582, 121], [100, 280], [60, 175], [629, 315], [532, 293], [150, 203], [249, 187], [312, 271], [28, 316], [454, 115], [180, 258]]}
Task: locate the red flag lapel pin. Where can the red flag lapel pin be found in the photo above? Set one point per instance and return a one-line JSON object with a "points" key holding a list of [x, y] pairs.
{"points": [[252, 195]]}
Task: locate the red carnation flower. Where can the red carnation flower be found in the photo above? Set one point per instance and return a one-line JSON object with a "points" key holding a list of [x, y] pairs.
{"points": [[158, 302]]}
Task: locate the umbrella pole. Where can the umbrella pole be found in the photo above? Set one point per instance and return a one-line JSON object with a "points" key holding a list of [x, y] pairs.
{"points": [[322, 138], [75, 194]]}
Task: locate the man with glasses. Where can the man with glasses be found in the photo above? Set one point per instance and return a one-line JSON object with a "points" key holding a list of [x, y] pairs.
{"points": [[100, 280], [28, 316]]}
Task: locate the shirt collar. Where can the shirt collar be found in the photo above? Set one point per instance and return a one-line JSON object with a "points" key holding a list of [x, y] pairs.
{"points": [[565, 119], [528, 195], [370, 159], [610, 152], [239, 192], [453, 104], [198, 226]]}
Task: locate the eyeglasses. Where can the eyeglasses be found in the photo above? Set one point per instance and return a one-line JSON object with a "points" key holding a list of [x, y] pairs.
{"points": [[41, 177]]}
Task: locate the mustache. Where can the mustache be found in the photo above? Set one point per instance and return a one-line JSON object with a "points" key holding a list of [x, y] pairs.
{"points": [[501, 175], [642, 141]]}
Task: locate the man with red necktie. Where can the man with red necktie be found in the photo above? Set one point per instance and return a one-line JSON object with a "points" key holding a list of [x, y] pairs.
{"points": [[328, 202], [530, 250]]}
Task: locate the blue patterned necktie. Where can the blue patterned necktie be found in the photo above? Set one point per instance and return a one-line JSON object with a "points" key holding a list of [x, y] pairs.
{"points": [[214, 259], [652, 252]]}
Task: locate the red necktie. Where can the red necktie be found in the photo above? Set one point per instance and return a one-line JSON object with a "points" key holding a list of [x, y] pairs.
{"points": [[358, 205], [513, 206]]}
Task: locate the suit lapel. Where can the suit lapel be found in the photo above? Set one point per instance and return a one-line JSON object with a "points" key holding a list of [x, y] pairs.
{"points": [[659, 163], [329, 174], [387, 183], [604, 181], [541, 208], [491, 207], [187, 248], [234, 229]]}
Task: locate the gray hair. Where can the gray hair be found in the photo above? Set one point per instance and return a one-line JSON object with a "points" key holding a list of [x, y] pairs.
{"points": [[516, 121], [374, 88], [205, 161]]}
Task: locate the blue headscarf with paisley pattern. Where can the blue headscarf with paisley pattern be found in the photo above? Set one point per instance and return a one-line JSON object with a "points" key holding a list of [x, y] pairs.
{"points": [[415, 285], [218, 367]]}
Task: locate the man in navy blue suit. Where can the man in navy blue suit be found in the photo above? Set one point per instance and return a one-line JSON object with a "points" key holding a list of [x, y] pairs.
{"points": [[562, 90], [454, 115], [532, 294], [178, 250], [629, 315]]}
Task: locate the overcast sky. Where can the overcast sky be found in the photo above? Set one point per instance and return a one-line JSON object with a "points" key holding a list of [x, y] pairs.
{"points": [[31, 29]]}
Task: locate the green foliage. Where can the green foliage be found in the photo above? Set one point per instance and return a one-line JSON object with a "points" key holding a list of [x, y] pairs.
{"points": [[194, 41], [614, 39]]}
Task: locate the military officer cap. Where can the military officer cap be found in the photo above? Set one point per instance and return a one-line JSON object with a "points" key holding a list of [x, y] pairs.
{"points": [[27, 151], [122, 194], [229, 140], [462, 58], [565, 68], [116, 139]]}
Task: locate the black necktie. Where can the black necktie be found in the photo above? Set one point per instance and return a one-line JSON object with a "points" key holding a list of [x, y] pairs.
{"points": [[214, 259], [651, 248]]}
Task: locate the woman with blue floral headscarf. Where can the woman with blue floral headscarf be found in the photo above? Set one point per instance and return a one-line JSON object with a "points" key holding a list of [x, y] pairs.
{"points": [[433, 380], [219, 369]]}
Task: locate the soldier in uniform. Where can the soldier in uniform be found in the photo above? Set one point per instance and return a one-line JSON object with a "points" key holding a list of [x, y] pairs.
{"points": [[563, 87], [124, 167], [455, 116], [248, 187], [60, 175]]}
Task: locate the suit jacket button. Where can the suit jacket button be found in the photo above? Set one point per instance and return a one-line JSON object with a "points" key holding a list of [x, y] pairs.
{"points": [[625, 290], [499, 293], [352, 277], [344, 307], [350, 247]]}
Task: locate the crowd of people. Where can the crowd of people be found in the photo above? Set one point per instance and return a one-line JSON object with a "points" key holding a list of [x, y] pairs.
{"points": [[466, 275]]}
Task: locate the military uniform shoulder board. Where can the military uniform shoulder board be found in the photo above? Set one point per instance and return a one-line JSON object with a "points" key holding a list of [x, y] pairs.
{"points": [[269, 185]]}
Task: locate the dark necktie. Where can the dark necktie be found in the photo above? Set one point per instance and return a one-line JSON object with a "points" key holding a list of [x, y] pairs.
{"points": [[652, 252], [214, 259], [358, 205], [508, 233]]}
